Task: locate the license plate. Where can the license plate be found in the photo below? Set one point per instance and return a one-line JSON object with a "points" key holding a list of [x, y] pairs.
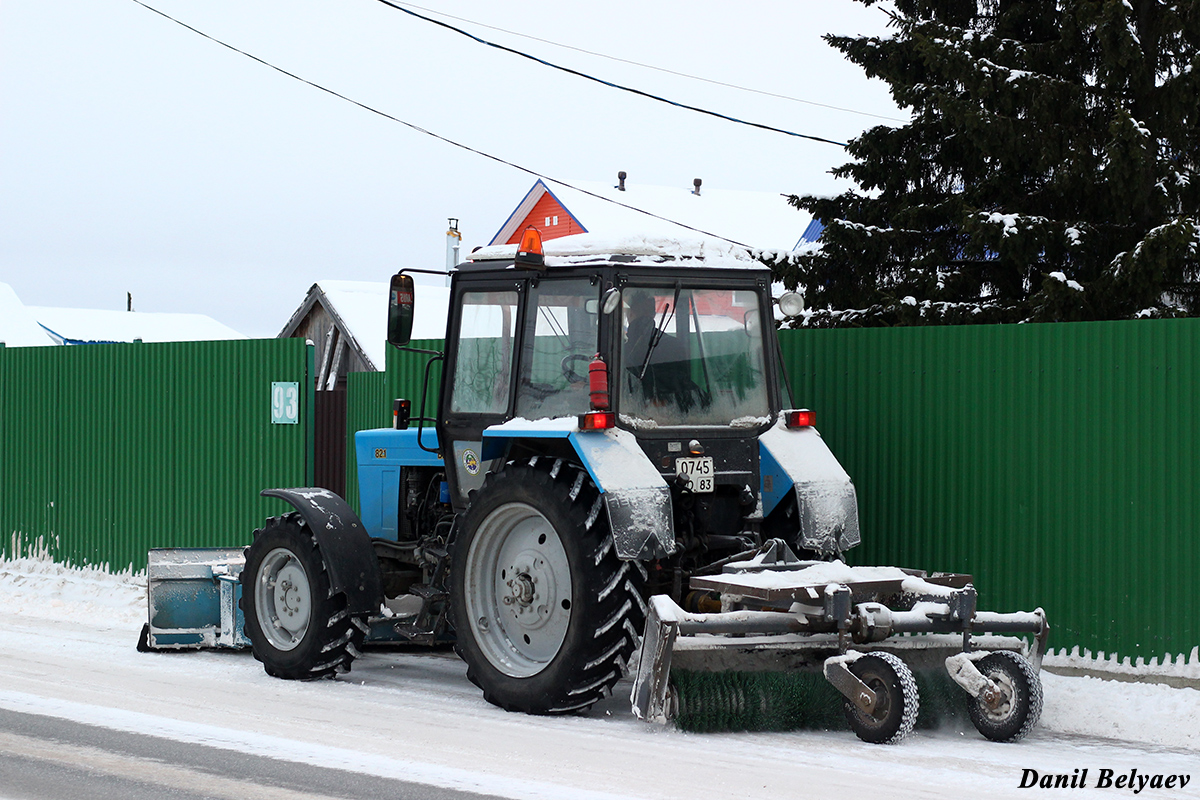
{"points": [[698, 472]]}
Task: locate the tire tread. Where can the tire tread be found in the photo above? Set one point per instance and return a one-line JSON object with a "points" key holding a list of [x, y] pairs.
{"points": [[1029, 684], [333, 636]]}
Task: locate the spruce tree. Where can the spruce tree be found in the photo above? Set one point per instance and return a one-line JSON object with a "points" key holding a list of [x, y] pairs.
{"points": [[1048, 171]]}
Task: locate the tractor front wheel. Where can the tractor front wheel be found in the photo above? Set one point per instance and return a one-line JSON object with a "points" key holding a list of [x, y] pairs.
{"points": [[545, 613]]}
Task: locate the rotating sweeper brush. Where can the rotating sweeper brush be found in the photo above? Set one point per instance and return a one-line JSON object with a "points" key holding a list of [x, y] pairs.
{"points": [[790, 630]]}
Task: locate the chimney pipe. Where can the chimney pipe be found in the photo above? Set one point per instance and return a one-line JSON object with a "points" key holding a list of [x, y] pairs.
{"points": [[453, 243], [696, 182], [621, 181]]}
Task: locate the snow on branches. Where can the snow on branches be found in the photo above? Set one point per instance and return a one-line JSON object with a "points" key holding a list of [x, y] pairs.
{"points": [[1046, 173]]}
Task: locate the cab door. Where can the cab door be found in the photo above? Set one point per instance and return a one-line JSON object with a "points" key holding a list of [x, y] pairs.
{"points": [[481, 364]]}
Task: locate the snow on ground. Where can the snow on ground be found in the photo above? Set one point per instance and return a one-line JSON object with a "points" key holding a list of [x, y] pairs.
{"points": [[38, 588], [67, 650]]}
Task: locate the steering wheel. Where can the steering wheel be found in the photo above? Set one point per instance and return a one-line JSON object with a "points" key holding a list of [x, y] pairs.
{"points": [[568, 366]]}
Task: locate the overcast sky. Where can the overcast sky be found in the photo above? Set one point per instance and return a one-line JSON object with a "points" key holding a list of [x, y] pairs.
{"points": [[137, 156]]}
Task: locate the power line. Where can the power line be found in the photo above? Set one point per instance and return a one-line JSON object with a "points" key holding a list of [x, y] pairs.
{"points": [[652, 66], [427, 132], [584, 75]]}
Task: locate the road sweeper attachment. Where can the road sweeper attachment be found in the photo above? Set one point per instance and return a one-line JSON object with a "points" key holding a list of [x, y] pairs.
{"points": [[784, 622]]}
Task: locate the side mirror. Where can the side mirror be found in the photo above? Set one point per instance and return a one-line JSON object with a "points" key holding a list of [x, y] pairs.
{"points": [[612, 299], [401, 305], [752, 322]]}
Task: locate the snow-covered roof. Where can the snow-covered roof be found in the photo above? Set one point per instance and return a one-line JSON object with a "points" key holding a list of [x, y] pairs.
{"points": [[360, 308], [97, 326], [760, 220], [18, 327], [584, 247]]}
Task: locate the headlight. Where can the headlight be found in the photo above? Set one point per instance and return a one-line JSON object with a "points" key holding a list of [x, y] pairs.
{"points": [[791, 304]]}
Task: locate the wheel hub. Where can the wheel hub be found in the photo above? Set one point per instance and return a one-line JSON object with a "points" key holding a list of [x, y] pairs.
{"points": [[997, 699], [283, 599], [522, 592], [531, 590], [291, 598], [519, 589]]}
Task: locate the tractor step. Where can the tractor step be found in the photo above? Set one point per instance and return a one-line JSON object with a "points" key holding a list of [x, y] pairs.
{"points": [[427, 592]]}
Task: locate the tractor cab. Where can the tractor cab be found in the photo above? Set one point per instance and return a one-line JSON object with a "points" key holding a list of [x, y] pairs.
{"points": [[674, 355]]}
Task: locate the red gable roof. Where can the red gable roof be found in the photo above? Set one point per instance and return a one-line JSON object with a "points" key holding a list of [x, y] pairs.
{"points": [[542, 210]]}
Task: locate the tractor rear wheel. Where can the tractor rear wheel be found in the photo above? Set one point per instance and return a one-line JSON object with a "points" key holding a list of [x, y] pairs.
{"points": [[896, 700], [545, 613], [295, 628]]}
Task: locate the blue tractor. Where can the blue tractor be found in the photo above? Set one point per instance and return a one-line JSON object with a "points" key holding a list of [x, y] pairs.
{"points": [[610, 428]]}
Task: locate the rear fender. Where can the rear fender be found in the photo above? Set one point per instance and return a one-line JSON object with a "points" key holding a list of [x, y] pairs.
{"points": [[345, 546], [636, 498]]}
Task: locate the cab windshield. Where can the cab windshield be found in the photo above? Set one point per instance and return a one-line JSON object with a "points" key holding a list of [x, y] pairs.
{"points": [[692, 356]]}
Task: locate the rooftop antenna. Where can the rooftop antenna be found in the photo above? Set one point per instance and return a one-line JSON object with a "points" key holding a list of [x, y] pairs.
{"points": [[129, 301]]}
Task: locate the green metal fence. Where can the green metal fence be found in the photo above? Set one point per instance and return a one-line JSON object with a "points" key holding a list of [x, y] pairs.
{"points": [[1058, 463], [107, 450]]}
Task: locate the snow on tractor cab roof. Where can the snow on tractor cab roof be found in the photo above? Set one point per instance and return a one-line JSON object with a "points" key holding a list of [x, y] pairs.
{"points": [[635, 249]]}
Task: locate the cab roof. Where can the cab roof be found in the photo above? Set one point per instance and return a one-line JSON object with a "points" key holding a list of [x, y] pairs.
{"points": [[588, 248]]}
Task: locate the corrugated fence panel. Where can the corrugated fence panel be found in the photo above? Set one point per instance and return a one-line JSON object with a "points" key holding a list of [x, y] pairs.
{"points": [[370, 396], [1057, 463], [109, 450]]}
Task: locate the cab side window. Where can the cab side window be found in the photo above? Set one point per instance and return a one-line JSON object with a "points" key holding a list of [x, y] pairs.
{"points": [[484, 362]]}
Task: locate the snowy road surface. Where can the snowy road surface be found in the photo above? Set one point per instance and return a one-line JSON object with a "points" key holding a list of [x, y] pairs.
{"points": [[67, 652]]}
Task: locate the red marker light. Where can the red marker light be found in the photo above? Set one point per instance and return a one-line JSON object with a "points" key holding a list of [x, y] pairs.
{"points": [[401, 414], [597, 421], [799, 418]]}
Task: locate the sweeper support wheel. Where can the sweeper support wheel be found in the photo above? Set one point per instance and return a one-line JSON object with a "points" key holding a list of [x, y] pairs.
{"points": [[1013, 706], [894, 712]]}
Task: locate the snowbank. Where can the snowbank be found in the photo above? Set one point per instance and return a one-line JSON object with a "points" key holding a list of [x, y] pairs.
{"points": [[36, 587], [1137, 712], [1177, 667]]}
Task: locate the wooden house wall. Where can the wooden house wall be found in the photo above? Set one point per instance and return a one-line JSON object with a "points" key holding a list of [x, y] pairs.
{"points": [[550, 218]]}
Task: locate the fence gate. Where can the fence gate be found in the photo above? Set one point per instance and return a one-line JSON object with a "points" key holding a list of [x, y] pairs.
{"points": [[330, 445]]}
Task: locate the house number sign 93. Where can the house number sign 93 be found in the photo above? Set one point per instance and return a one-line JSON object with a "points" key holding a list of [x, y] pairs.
{"points": [[285, 402]]}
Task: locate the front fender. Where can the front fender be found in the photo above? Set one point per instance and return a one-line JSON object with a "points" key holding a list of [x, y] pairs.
{"points": [[799, 462], [636, 498], [345, 546]]}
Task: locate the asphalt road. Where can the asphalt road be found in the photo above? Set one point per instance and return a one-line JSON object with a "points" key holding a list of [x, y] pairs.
{"points": [[47, 758]]}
